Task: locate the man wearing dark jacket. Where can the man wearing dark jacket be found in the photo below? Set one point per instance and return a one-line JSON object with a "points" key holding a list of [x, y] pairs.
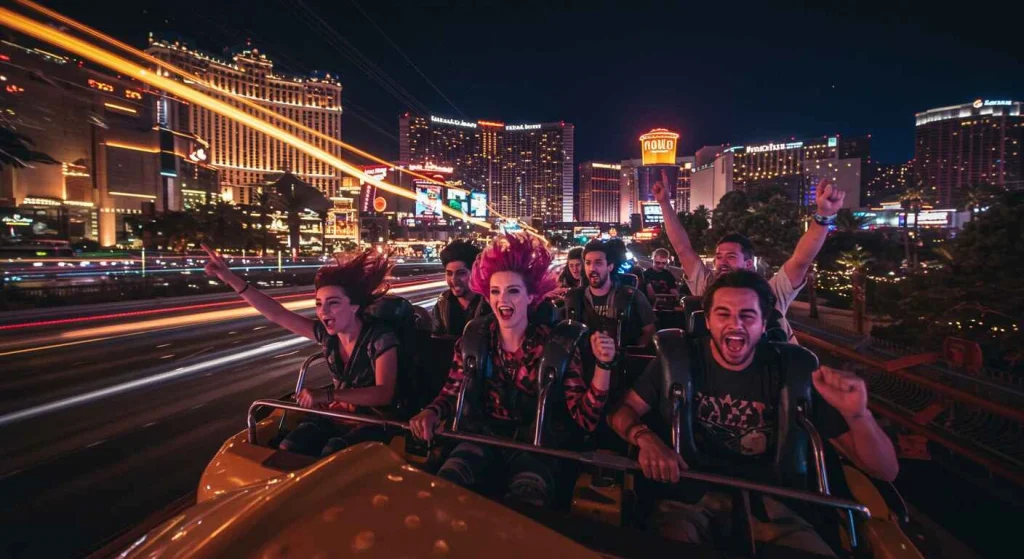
{"points": [[458, 305]]}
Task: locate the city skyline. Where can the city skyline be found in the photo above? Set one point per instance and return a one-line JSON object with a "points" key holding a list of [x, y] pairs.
{"points": [[709, 87]]}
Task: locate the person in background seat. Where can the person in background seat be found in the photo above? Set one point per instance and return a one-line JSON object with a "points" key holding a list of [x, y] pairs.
{"points": [[458, 305], [658, 279]]}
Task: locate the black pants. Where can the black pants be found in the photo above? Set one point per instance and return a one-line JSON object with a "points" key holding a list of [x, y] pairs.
{"points": [[527, 477], [320, 436]]}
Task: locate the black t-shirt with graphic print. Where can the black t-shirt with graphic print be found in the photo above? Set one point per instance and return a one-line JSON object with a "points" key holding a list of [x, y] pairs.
{"points": [[661, 282], [735, 424]]}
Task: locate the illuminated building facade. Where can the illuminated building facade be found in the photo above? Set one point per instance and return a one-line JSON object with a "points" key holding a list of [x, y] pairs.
{"points": [[967, 145], [122, 154], [599, 192], [885, 182], [526, 170], [638, 176], [244, 156]]}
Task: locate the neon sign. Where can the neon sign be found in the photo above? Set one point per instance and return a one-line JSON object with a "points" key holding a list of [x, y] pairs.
{"points": [[990, 103], [430, 167], [17, 221], [100, 85], [515, 127], [452, 121], [659, 147], [774, 147], [132, 94], [606, 166]]}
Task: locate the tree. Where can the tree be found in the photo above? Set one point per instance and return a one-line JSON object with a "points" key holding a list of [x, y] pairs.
{"points": [[911, 200], [979, 196], [849, 223], [17, 151], [264, 203], [175, 230], [856, 261], [771, 222]]}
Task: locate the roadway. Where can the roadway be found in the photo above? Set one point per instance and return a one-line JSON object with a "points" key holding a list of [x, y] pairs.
{"points": [[106, 420]]}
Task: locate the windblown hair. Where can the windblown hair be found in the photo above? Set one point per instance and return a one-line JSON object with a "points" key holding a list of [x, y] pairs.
{"points": [[565, 278], [360, 276], [518, 253]]}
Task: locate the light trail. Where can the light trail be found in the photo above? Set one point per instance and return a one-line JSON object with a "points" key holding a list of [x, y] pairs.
{"points": [[152, 380], [112, 331], [199, 80], [100, 56]]}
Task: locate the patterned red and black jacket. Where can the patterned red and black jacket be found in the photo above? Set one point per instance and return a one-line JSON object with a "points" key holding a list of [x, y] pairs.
{"points": [[518, 371]]}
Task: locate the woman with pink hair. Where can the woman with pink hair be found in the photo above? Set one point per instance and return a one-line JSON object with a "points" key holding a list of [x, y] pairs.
{"points": [[514, 274]]}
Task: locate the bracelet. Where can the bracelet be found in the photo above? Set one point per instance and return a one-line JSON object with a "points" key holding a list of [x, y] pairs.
{"points": [[641, 431], [824, 220], [330, 394], [606, 365], [243, 289]]}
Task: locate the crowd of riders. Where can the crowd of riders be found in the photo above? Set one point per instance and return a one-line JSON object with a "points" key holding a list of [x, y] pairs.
{"points": [[508, 296]]}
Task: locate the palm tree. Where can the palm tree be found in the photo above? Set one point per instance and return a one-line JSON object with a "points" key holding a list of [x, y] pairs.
{"points": [[16, 151], [856, 261], [847, 222], [978, 196], [264, 202], [911, 200]]}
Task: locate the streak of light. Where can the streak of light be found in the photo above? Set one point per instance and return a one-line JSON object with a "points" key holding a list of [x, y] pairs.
{"points": [[103, 57], [96, 395], [120, 330], [203, 82]]}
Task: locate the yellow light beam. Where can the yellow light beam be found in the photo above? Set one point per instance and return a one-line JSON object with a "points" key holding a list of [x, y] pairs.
{"points": [[200, 81], [100, 56]]}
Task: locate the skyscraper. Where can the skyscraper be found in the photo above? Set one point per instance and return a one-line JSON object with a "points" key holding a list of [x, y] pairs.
{"points": [[599, 192], [525, 169], [967, 145], [246, 157]]}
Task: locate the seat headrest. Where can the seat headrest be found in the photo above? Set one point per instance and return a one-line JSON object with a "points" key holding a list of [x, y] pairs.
{"points": [[629, 279], [693, 313], [545, 313]]}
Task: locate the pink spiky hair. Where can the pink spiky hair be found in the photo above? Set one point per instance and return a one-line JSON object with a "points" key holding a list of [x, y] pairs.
{"points": [[518, 253]]}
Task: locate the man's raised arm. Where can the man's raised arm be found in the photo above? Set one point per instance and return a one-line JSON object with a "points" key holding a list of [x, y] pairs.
{"points": [[829, 199], [688, 258]]}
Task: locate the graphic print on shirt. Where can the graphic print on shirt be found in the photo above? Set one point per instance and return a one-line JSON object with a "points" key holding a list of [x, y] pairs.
{"points": [[739, 426]]}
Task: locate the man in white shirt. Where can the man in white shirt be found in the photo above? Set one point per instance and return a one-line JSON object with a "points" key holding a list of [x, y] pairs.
{"points": [[735, 252]]}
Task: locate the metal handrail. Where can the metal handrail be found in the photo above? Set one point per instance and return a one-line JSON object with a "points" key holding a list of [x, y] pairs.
{"points": [[460, 402], [547, 380], [305, 367], [818, 448], [598, 459], [677, 398]]}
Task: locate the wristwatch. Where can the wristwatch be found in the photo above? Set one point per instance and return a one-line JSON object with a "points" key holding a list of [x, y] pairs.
{"points": [[824, 220]]}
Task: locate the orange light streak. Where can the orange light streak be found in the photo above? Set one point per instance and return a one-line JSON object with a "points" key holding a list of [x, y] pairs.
{"points": [[200, 81], [100, 56]]}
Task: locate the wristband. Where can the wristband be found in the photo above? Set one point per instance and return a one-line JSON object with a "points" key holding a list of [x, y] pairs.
{"points": [[824, 220], [243, 289], [330, 394], [606, 365], [641, 431]]}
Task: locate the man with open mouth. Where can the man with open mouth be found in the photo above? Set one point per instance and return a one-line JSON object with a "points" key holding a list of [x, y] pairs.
{"points": [[736, 429], [458, 305], [736, 252]]}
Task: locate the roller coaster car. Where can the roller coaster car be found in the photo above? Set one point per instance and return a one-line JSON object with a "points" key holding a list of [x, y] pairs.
{"points": [[378, 500]]}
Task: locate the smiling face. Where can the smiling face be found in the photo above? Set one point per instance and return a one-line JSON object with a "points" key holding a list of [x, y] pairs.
{"points": [[736, 325], [456, 274], [509, 299], [729, 257], [335, 310], [598, 269]]}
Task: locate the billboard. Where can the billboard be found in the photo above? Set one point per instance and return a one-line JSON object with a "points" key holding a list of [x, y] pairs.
{"points": [[428, 201], [650, 213], [478, 204], [658, 147], [369, 191], [458, 200]]}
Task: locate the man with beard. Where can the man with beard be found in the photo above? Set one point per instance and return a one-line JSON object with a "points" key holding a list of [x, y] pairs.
{"points": [[735, 423], [604, 302], [458, 305], [736, 252]]}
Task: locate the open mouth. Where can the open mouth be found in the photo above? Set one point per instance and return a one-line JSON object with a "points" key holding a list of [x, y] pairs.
{"points": [[735, 343], [329, 323], [505, 312], [594, 278]]}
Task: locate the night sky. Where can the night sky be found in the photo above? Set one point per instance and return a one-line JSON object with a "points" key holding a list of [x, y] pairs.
{"points": [[718, 72]]}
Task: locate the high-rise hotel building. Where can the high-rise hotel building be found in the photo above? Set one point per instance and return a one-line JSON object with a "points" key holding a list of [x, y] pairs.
{"points": [[244, 156], [526, 170], [599, 192], [968, 145]]}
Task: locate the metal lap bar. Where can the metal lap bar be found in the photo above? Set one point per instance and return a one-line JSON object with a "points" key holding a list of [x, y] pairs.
{"points": [[818, 448], [547, 380], [677, 398], [302, 379], [460, 403], [600, 460]]}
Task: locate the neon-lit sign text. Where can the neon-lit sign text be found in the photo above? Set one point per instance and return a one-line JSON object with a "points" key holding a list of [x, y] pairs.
{"points": [[515, 127], [431, 167], [100, 85], [452, 121], [774, 147]]}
